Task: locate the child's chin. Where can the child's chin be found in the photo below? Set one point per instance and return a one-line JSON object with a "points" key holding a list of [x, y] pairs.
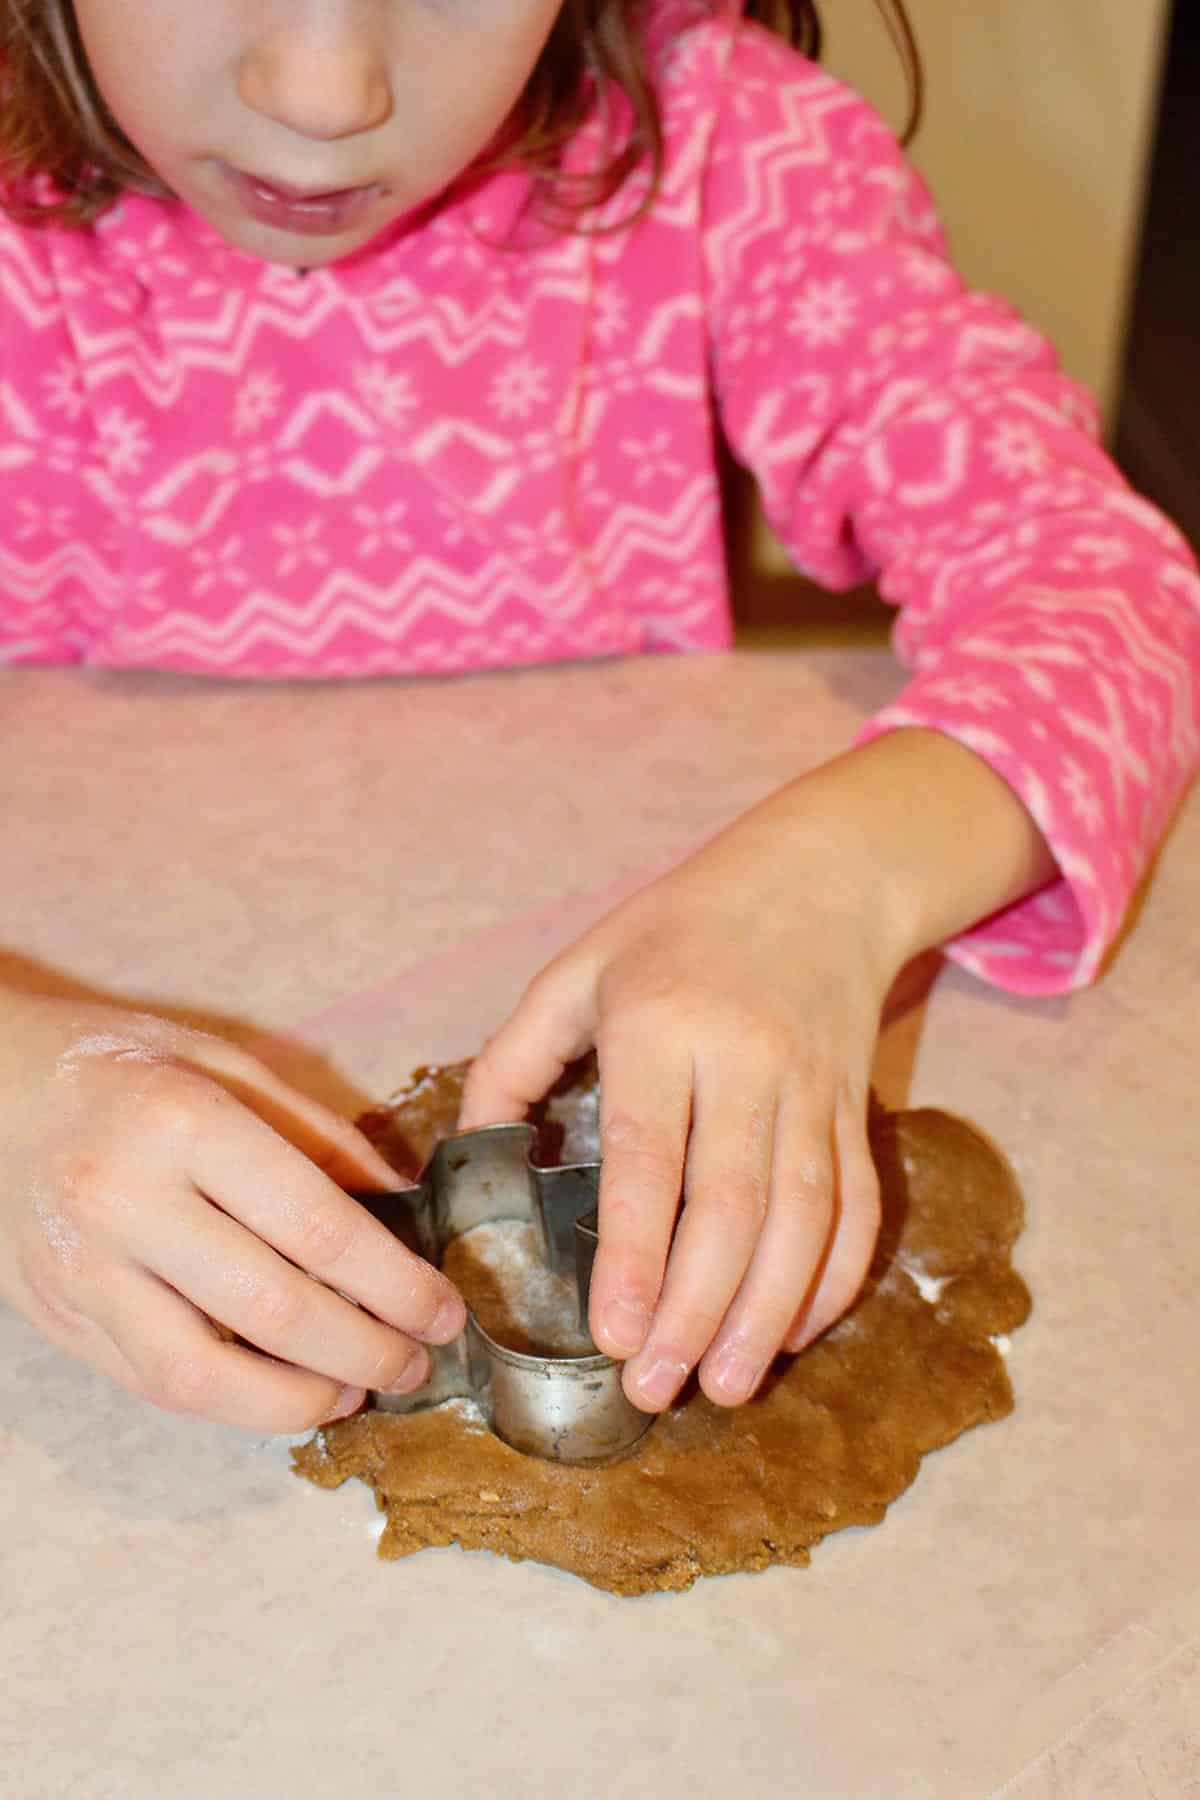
{"points": [[286, 249]]}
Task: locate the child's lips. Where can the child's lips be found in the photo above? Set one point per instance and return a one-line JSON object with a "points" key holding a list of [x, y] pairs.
{"points": [[293, 209]]}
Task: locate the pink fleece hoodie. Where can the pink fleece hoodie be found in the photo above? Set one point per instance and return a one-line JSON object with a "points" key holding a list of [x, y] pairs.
{"points": [[479, 443]]}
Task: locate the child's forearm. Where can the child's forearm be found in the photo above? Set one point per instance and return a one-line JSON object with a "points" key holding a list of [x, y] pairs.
{"points": [[913, 829]]}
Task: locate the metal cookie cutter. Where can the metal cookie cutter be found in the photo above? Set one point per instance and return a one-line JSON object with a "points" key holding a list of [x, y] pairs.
{"points": [[571, 1409]]}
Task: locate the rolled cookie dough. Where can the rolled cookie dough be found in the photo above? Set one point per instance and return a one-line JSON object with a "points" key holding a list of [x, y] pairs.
{"points": [[835, 1435]]}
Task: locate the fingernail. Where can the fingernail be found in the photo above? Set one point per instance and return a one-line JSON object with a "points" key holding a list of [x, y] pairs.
{"points": [[661, 1382], [626, 1322], [348, 1401], [450, 1320], [415, 1371], [735, 1375]]}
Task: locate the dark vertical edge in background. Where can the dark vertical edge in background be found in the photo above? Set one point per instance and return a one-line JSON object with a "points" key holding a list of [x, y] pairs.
{"points": [[1158, 424]]}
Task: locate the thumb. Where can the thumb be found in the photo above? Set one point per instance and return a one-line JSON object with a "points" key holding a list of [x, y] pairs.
{"points": [[554, 1022]]}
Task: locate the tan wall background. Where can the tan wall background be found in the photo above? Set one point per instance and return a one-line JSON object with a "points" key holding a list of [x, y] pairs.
{"points": [[1035, 142]]}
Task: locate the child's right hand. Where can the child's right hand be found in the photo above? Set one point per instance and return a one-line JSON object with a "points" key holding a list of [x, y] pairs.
{"points": [[145, 1201]]}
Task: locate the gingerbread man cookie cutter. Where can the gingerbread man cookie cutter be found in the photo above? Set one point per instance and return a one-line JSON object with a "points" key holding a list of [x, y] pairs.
{"points": [[569, 1409]]}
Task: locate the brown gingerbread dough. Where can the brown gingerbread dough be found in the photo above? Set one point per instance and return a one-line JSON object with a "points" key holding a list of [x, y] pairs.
{"points": [[832, 1439]]}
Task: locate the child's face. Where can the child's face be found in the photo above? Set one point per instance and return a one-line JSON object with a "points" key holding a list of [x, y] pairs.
{"points": [[391, 98]]}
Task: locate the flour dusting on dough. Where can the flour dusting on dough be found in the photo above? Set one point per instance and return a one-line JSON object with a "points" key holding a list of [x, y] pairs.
{"points": [[578, 1112], [467, 1411], [517, 1300], [930, 1287]]}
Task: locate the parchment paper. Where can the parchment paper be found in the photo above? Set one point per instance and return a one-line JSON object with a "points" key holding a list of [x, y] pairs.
{"points": [[181, 1616]]}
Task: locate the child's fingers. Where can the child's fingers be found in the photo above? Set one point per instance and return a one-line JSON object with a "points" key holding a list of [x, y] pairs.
{"points": [[277, 1193], [552, 1024], [327, 1139], [790, 1243], [180, 1363], [322, 1135], [240, 1282], [727, 1186], [645, 1112], [98, 1345], [854, 1238], [788, 1260], [257, 1148]]}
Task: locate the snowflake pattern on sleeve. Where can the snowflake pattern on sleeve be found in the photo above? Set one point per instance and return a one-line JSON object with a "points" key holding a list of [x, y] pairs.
{"points": [[904, 429]]}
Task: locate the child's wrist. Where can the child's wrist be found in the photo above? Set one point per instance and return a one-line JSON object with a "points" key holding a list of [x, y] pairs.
{"points": [[911, 837], [954, 842]]}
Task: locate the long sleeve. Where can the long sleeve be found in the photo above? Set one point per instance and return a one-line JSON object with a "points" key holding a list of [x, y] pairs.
{"points": [[904, 429]]}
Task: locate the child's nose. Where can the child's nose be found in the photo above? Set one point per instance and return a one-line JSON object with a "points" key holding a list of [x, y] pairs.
{"points": [[324, 84]]}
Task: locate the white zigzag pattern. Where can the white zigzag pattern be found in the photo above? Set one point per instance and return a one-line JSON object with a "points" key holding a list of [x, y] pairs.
{"points": [[675, 535], [344, 602], [224, 343], [32, 582], [428, 586], [27, 287], [766, 165]]}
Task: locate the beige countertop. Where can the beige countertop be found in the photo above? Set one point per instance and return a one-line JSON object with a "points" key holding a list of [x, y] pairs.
{"points": [[365, 875]]}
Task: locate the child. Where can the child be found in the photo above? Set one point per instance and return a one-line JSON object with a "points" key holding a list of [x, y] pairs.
{"points": [[389, 337]]}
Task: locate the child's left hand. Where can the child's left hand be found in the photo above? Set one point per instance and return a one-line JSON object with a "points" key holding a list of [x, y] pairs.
{"points": [[734, 1005]]}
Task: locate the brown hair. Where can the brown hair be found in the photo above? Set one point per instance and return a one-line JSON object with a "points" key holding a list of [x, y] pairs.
{"points": [[55, 128]]}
